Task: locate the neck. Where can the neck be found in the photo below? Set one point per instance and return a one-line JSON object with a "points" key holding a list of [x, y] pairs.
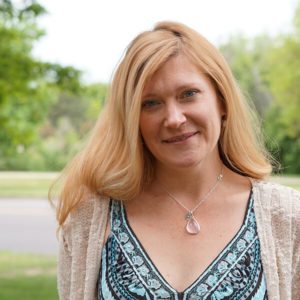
{"points": [[188, 183]]}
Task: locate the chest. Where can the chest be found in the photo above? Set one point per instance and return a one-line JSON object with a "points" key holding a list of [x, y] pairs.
{"points": [[179, 256], [169, 265]]}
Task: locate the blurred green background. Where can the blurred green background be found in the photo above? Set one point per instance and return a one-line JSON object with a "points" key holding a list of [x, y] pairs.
{"points": [[46, 111]]}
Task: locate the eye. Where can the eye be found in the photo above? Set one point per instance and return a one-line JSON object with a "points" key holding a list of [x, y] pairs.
{"points": [[189, 93], [150, 103]]}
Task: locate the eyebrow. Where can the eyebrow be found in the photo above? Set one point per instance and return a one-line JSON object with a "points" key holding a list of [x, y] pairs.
{"points": [[179, 88], [150, 95]]}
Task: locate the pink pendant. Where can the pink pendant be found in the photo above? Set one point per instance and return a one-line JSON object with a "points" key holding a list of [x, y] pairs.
{"points": [[192, 226]]}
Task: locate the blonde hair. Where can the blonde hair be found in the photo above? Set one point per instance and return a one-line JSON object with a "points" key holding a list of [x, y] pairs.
{"points": [[115, 163]]}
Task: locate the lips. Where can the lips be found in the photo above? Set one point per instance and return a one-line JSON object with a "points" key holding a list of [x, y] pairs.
{"points": [[180, 138]]}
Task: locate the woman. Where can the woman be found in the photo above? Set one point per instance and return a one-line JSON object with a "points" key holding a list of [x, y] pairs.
{"points": [[167, 200]]}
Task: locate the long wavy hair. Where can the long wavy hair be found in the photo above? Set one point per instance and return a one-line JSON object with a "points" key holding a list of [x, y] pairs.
{"points": [[115, 163]]}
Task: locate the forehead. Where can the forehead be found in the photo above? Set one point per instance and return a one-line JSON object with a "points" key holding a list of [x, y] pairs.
{"points": [[176, 72]]}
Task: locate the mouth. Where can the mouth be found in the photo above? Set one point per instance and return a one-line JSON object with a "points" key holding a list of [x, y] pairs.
{"points": [[180, 138]]}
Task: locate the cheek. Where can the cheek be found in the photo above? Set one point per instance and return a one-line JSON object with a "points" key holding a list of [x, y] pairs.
{"points": [[146, 127], [210, 120], [201, 116]]}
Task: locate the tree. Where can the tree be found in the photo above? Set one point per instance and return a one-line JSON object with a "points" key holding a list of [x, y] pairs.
{"points": [[283, 77], [69, 121], [246, 58], [27, 86]]}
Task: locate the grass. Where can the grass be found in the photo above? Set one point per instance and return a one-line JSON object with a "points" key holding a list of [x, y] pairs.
{"points": [[291, 181], [36, 184], [27, 277], [25, 184]]}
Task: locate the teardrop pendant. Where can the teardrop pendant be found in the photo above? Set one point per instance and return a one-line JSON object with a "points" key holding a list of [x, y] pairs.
{"points": [[192, 226]]}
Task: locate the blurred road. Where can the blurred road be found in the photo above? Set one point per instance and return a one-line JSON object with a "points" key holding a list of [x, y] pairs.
{"points": [[27, 226]]}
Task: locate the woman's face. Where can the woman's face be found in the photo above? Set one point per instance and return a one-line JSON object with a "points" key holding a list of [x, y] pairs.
{"points": [[180, 115]]}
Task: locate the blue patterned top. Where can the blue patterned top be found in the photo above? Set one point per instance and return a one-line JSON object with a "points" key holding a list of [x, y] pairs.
{"points": [[127, 272]]}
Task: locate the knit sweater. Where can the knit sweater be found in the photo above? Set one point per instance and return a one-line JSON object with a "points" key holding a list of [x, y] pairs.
{"points": [[277, 211]]}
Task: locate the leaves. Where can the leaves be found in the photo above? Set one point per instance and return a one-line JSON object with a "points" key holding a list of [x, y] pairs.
{"points": [[27, 89], [46, 111], [268, 70]]}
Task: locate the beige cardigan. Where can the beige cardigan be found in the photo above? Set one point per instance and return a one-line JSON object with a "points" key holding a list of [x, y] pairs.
{"points": [[277, 211]]}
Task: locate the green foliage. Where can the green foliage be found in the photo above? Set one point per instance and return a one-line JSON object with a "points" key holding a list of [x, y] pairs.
{"points": [[246, 57], [268, 71], [282, 72], [68, 122], [17, 76], [283, 79], [28, 87], [46, 111]]}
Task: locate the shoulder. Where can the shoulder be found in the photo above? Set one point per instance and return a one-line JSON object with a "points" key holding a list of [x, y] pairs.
{"points": [[277, 212], [85, 209], [275, 193], [276, 199], [89, 213]]}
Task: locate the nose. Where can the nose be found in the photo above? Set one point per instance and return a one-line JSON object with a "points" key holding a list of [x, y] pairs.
{"points": [[174, 116]]}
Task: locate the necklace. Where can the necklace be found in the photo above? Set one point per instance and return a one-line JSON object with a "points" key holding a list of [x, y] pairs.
{"points": [[192, 225]]}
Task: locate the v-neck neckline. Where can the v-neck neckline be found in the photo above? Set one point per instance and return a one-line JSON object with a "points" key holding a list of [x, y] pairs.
{"points": [[147, 257]]}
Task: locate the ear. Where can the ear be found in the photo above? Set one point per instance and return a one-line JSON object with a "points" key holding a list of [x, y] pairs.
{"points": [[222, 108], [223, 113], [223, 121]]}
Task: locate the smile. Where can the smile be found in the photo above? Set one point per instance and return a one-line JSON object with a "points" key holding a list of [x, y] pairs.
{"points": [[180, 138]]}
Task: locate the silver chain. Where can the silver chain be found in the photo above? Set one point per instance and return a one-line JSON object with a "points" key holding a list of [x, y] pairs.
{"points": [[219, 179]]}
